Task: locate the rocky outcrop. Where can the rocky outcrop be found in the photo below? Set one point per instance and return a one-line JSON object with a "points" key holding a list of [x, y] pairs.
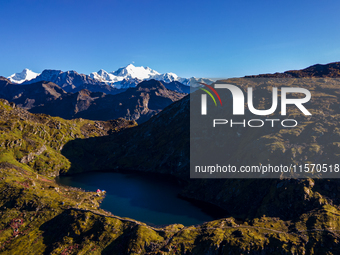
{"points": [[32, 155]]}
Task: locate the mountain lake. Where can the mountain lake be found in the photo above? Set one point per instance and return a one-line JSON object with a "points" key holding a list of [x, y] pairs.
{"points": [[147, 198]]}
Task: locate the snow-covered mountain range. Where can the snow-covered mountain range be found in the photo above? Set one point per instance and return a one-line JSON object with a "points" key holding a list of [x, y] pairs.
{"points": [[123, 78], [134, 74]]}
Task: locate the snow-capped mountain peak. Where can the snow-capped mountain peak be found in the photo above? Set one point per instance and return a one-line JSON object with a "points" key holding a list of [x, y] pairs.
{"points": [[134, 74], [25, 75], [102, 71], [131, 71]]}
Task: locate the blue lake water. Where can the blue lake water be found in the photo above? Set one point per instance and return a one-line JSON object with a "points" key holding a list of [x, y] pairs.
{"points": [[150, 199]]}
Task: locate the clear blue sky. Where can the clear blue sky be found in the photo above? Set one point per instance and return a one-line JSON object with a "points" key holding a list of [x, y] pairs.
{"points": [[190, 38]]}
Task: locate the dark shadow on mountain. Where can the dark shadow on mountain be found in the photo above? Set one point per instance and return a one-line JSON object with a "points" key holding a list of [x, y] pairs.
{"points": [[162, 145], [61, 226], [121, 243], [157, 146], [56, 229]]}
